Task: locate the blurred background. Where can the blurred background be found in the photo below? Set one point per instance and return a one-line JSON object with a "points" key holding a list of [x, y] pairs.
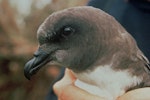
{"points": [[19, 21]]}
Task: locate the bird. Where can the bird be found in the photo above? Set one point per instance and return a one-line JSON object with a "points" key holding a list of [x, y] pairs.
{"points": [[103, 56]]}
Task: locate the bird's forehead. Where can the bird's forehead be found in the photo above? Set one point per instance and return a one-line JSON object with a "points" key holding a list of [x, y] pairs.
{"points": [[70, 14], [51, 21], [57, 20], [77, 16]]}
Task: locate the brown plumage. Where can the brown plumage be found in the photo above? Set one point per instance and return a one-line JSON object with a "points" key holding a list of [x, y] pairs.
{"points": [[87, 41]]}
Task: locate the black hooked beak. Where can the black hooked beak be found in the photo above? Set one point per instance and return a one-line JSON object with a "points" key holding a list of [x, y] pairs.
{"points": [[32, 66]]}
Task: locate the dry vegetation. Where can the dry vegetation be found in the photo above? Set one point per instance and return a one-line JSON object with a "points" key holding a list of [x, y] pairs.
{"points": [[17, 44]]}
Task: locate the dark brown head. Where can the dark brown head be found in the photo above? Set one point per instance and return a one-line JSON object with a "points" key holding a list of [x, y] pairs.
{"points": [[77, 38]]}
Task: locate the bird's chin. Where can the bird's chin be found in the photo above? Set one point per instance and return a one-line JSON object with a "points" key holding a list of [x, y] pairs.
{"points": [[54, 63]]}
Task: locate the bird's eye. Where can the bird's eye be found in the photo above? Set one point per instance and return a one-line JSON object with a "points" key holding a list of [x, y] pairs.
{"points": [[67, 31]]}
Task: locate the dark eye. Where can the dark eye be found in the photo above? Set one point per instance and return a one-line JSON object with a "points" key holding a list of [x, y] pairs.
{"points": [[67, 31]]}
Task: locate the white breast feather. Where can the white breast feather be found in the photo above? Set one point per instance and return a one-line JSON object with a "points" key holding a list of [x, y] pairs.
{"points": [[106, 82]]}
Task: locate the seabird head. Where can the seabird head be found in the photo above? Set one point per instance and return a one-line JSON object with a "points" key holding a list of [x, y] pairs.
{"points": [[78, 38]]}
